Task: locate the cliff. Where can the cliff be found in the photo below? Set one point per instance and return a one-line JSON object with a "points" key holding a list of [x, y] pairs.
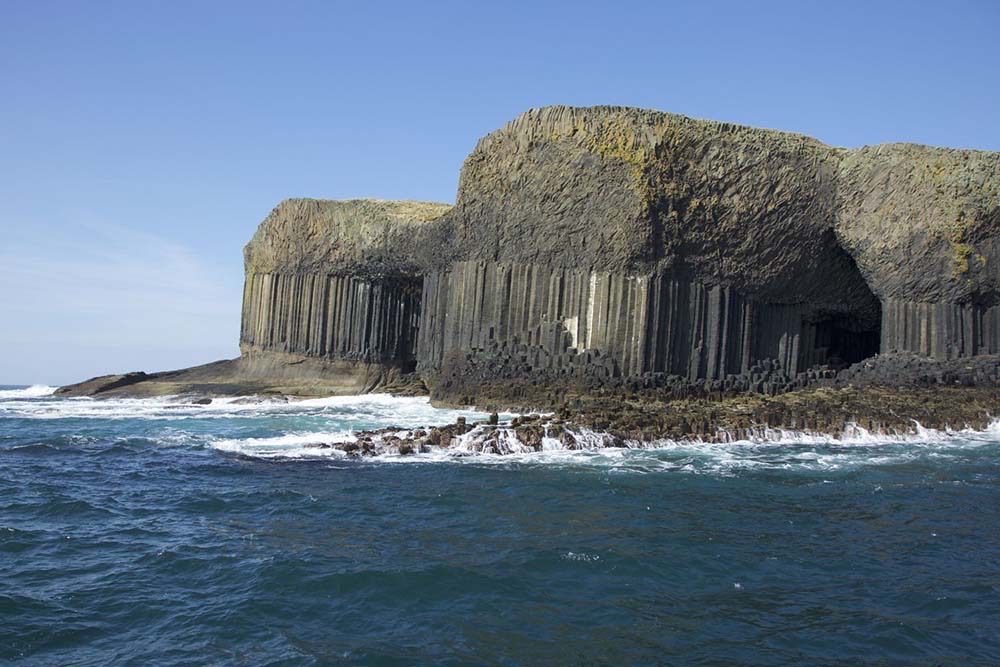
{"points": [[615, 249], [335, 281], [600, 243], [669, 246], [923, 225]]}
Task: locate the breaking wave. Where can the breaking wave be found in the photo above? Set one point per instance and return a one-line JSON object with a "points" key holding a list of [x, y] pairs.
{"points": [[366, 411], [290, 446], [767, 450], [34, 391], [276, 428]]}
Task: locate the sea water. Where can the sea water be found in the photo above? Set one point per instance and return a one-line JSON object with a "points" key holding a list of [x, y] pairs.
{"points": [[159, 532]]}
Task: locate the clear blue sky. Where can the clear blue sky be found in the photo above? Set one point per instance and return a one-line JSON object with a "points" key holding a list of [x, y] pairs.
{"points": [[142, 142]]}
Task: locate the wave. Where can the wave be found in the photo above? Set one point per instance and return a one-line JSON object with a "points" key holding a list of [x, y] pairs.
{"points": [[290, 446], [279, 428], [362, 411], [34, 391], [767, 449]]}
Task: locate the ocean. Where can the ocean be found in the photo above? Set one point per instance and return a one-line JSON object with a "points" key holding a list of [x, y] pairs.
{"points": [[156, 532]]}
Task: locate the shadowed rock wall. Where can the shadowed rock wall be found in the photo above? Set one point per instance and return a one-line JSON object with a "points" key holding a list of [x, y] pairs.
{"points": [[559, 319], [332, 316], [944, 330], [335, 281]]}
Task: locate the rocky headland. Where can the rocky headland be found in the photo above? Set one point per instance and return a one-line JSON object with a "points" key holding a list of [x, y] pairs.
{"points": [[640, 275]]}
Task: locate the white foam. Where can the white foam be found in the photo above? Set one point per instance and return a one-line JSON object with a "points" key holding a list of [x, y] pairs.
{"points": [[581, 557], [767, 449], [34, 391], [290, 446], [295, 429], [365, 410]]}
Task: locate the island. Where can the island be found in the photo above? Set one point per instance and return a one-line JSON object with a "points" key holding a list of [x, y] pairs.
{"points": [[636, 275]]}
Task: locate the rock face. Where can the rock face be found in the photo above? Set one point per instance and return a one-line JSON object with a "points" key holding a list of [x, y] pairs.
{"points": [[924, 227], [626, 249], [337, 281], [613, 242], [666, 244]]}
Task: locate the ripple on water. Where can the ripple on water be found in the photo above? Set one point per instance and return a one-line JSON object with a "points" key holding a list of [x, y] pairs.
{"points": [[128, 535]]}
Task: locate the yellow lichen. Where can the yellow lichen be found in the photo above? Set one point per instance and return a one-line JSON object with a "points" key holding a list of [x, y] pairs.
{"points": [[962, 253]]}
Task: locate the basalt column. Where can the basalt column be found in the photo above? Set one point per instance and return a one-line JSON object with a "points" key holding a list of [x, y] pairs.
{"points": [[339, 317], [333, 288], [563, 321], [941, 330]]}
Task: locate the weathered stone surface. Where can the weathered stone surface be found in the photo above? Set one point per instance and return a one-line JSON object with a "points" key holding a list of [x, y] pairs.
{"points": [[270, 373], [364, 238], [637, 191], [613, 251], [332, 316], [679, 246], [633, 324], [663, 243], [102, 384], [923, 224], [337, 280]]}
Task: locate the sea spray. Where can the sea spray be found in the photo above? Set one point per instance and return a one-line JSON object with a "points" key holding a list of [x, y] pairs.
{"points": [[34, 391]]}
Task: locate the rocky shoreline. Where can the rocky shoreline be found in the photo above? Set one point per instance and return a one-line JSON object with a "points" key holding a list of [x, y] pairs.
{"points": [[889, 395], [893, 394], [827, 412]]}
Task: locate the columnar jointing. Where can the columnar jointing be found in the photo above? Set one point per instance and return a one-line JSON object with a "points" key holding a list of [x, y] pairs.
{"points": [[637, 324], [340, 317], [942, 330], [609, 242]]}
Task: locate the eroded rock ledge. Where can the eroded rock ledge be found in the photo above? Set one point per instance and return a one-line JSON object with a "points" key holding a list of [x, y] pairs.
{"points": [[604, 423]]}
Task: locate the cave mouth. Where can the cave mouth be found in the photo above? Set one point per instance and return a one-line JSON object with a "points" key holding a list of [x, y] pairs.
{"points": [[844, 340], [851, 331]]}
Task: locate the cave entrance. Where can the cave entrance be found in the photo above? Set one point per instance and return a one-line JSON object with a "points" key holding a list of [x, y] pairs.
{"points": [[850, 331], [841, 341]]}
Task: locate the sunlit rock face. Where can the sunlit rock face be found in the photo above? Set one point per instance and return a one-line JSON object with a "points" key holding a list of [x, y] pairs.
{"points": [[923, 224], [609, 242], [662, 243]]}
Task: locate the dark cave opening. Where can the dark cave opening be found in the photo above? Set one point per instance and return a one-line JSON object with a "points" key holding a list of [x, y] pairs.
{"points": [[848, 332], [841, 341]]}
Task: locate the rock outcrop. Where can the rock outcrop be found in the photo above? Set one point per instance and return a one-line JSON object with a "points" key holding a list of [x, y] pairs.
{"points": [[632, 250], [631, 243], [923, 225], [338, 281]]}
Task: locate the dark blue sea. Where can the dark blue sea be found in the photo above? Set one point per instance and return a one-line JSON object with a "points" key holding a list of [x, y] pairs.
{"points": [[156, 532]]}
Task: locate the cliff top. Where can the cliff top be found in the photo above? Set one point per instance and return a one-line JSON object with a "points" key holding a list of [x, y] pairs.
{"points": [[637, 126], [338, 236], [407, 210], [620, 188], [541, 122]]}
